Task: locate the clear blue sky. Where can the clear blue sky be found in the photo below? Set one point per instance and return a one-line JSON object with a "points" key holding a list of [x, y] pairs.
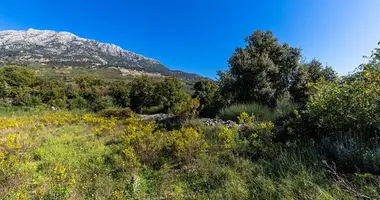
{"points": [[200, 35]]}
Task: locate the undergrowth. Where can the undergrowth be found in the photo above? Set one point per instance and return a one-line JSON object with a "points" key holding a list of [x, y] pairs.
{"points": [[63, 155]]}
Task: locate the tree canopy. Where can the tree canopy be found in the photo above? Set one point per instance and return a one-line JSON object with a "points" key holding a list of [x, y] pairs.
{"points": [[261, 71]]}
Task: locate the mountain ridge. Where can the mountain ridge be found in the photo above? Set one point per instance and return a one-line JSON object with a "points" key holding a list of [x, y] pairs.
{"points": [[67, 49]]}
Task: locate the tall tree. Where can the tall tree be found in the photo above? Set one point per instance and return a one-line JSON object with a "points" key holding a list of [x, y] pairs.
{"points": [[207, 93], [119, 91], [142, 92], [171, 94], [309, 73], [261, 71]]}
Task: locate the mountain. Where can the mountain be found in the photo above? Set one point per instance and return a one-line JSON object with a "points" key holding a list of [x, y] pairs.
{"points": [[66, 49]]}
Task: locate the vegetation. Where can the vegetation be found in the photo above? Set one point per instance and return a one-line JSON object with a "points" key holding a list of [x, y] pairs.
{"points": [[300, 132]]}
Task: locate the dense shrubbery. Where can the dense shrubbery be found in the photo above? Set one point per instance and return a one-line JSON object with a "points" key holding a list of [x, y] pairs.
{"points": [[20, 86], [350, 105]]}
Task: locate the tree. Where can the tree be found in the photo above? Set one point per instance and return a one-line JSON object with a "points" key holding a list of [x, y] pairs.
{"points": [[261, 71], [207, 93], [119, 91], [172, 95], [50, 90], [142, 92], [309, 73], [17, 76]]}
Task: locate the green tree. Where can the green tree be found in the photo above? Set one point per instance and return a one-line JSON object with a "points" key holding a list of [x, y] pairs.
{"points": [[88, 82], [17, 76], [309, 73], [51, 91], [4, 89], [172, 95], [261, 71], [207, 92], [119, 91], [142, 92], [90, 88]]}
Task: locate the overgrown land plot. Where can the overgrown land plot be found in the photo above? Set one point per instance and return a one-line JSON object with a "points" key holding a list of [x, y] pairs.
{"points": [[270, 127]]}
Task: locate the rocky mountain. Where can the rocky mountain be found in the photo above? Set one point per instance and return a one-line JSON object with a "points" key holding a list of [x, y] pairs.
{"points": [[66, 49]]}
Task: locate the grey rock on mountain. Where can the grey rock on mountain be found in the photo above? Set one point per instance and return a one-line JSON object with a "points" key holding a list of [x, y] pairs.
{"points": [[66, 49]]}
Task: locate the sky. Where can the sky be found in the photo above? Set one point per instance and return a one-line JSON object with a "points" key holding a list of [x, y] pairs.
{"points": [[199, 36]]}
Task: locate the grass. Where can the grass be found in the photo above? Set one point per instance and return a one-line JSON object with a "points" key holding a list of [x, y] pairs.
{"points": [[261, 112], [61, 155]]}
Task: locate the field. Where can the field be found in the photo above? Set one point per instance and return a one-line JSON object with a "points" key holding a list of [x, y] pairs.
{"points": [[65, 155]]}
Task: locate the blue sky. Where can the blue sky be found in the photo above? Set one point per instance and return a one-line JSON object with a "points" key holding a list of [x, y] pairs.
{"points": [[200, 35]]}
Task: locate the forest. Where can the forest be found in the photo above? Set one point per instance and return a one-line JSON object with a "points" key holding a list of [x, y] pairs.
{"points": [[300, 131]]}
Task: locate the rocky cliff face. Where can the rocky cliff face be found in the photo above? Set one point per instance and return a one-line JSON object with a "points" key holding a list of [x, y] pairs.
{"points": [[66, 49]]}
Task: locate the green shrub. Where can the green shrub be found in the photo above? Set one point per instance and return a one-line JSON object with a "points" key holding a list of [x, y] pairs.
{"points": [[207, 93], [119, 91], [24, 98], [172, 95], [142, 93], [348, 106], [101, 103], [17, 76], [77, 103], [188, 108], [5, 89]]}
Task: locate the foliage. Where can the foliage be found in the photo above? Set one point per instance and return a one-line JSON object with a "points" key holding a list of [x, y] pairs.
{"points": [[65, 155], [101, 103], [261, 112], [207, 92], [306, 74], [349, 105], [172, 95], [17, 76], [323, 146], [260, 72], [119, 91], [142, 93]]}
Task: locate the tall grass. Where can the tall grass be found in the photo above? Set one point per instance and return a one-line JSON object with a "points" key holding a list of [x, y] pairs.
{"points": [[261, 112]]}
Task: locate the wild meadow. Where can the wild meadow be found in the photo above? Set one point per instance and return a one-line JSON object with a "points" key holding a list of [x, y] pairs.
{"points": [[300, 132]]}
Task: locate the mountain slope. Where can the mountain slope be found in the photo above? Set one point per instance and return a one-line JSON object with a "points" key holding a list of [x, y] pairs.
{"points": [[67, 49]]}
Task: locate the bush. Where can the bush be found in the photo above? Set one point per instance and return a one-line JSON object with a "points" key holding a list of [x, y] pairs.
{"points": [[152, 147], [285, 106], [351, 105], [207, 93], [101, 103], [142, 93], [172, 95], [77, 103], [17, 76], [119, 91], [188, 108], [350, 154], [24, 98]]}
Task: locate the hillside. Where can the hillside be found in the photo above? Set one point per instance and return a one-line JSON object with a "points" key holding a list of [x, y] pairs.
{"points": [[52, 48]]}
